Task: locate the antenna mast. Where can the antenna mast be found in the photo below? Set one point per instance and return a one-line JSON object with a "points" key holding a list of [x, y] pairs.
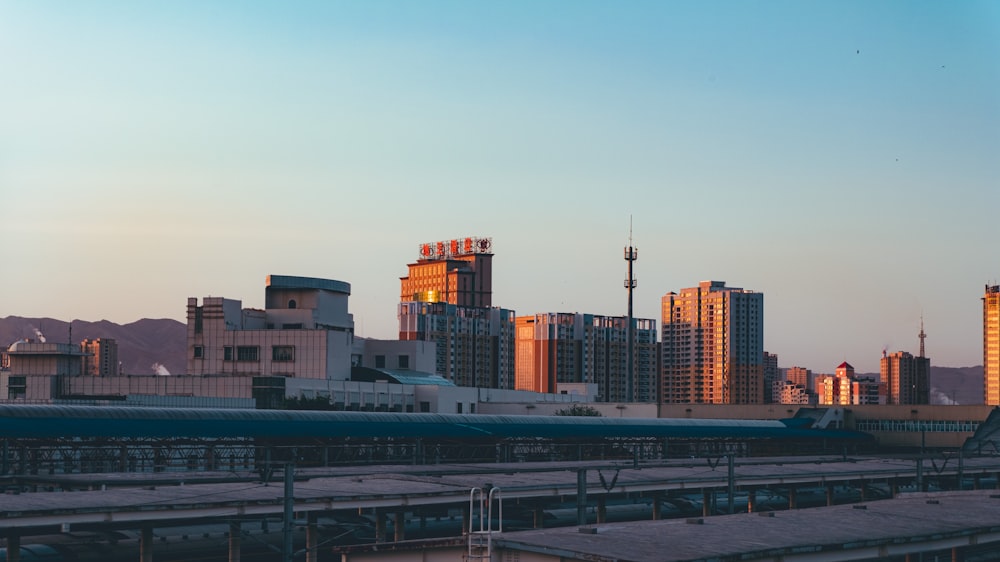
{"points": [[631, 254], [922, 335]]}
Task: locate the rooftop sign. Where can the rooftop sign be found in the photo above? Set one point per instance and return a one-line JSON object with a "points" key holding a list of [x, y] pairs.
{"points": [[457, 247]]}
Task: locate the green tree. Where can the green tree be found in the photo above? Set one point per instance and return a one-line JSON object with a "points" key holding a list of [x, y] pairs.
{"points": [[579, 410]]}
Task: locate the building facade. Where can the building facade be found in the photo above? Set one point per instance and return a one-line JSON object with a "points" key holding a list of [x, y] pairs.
{"points": [[712, 345], [772, 375], [557, 348], [991, 345], [101, 357], [906, 378], [846, 388], [458, 272], [475, 345], [304, 332]]}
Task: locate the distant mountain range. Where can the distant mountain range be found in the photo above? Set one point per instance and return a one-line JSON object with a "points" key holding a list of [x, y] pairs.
{"points": [[141, 344], [146, 342]]}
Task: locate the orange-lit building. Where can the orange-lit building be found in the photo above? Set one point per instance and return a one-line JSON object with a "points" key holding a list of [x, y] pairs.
{"points": [[458, 272], [845, 388], [713, 345], [557, 348], [905, 378], [101, 357], [991, 345], [447, 298]]}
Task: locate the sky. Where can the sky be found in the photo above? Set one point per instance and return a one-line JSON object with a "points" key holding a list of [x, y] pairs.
{"points": [[840, 157]]}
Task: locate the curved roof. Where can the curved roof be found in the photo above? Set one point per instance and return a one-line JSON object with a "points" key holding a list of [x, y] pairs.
{"points": [[114, 421], [398, 376], [293, 282]]}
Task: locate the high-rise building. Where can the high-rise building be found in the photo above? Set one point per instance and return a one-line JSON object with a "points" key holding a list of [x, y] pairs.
{"points": [[446, 297], [475, 345], [102, 358], [800, 376], [556, 348], [713, 345], [991, 345], [772, 375], [458, 272], [905, 378]]}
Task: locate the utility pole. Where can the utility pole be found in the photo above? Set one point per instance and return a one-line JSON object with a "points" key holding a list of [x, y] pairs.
{"points": [[286, 527]]}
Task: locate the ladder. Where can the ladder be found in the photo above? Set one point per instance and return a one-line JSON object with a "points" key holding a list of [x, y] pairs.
{"points": [[481, 539]]}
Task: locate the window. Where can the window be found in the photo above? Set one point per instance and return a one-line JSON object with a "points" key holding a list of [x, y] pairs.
{"points": [[425, 407], [199, 352], [458, 408], [404, 362], [292, 303], [17, 387], [380, 361], [227, 353], [247, 353], [282, 353]]}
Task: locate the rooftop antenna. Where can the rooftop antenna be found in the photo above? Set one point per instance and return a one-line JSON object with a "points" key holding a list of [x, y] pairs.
{"points": [[631, 254], [922, 335]]}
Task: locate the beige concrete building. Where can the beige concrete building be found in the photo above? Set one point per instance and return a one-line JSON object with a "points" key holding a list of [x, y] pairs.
{"points": [[305, 331], [557, 348], [991, 345], [713, 345]]}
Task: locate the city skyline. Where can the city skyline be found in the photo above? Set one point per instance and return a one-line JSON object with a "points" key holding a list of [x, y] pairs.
{"points": [[837, 157]]}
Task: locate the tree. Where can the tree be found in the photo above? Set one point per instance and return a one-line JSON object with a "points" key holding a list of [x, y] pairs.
{"points": [[579, 410]]}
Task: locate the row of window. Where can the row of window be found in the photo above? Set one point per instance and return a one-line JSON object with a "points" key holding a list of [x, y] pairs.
{"points": [[279, 353], [950, 426]]}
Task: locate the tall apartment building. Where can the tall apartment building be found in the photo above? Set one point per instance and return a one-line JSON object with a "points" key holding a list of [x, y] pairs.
{"points": [[772, 375], [102, 357], [991, 345], [475, 345], [905, 378], [555, 348], [458, 272], [713, 345], [800, 376], [446, 298]]}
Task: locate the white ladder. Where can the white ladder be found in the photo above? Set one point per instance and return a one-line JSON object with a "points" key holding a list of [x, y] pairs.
{"points": [[481, 539]]}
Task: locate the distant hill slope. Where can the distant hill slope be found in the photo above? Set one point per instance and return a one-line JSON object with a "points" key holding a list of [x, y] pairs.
{"points": [[140, 344], [956, 385]]}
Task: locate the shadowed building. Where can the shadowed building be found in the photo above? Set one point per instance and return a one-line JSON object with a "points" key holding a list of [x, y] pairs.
{"points": [[102, 358], [557, 348]]}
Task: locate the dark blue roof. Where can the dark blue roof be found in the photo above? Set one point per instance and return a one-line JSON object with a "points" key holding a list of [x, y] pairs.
{"points": [[22, 421]]}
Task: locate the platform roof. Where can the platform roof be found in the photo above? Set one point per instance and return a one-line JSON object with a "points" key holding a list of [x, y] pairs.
{"points": [[23, 421]]}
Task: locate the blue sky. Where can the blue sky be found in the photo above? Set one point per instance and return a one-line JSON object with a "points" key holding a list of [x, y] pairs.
{"points": [[840, 157]]}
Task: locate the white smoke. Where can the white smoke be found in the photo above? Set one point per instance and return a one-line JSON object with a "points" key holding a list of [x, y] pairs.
{"points": [[38, 334], [160, 370], [938, 397]]}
